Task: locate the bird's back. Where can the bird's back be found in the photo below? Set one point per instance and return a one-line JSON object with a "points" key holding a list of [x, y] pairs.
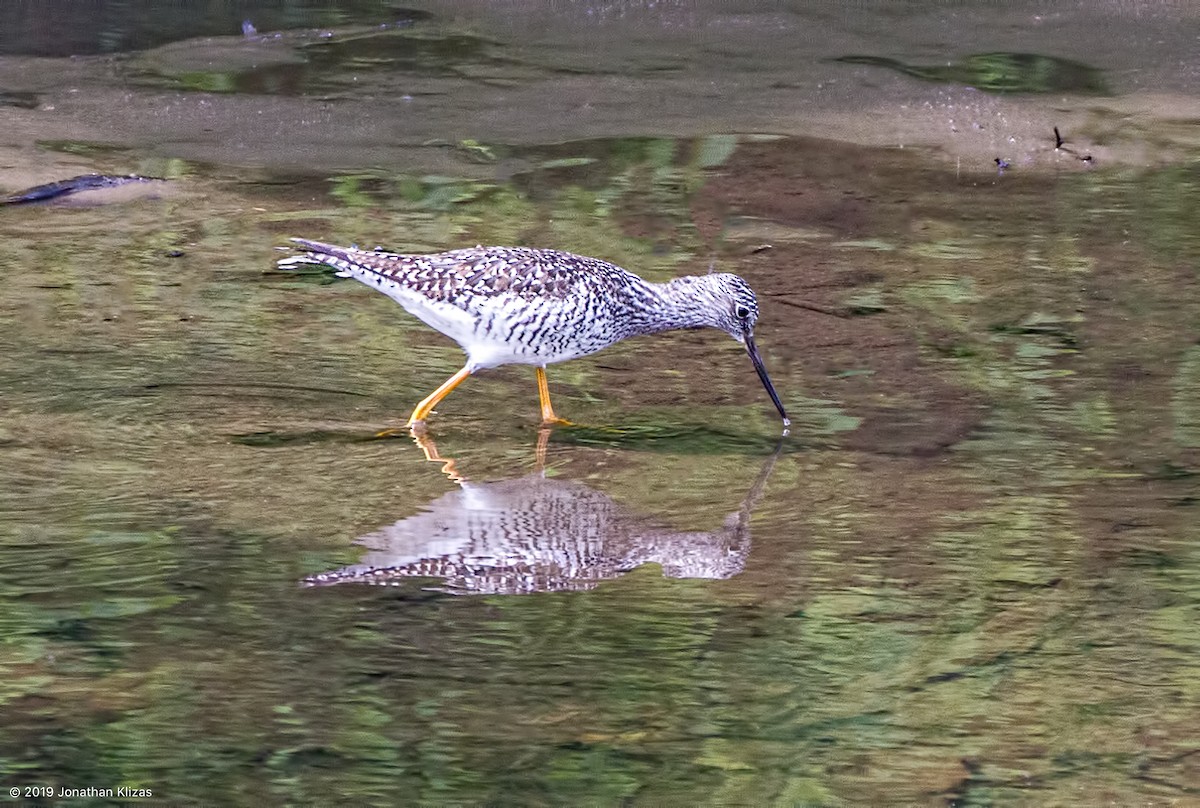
{"points": [[456, 276]]}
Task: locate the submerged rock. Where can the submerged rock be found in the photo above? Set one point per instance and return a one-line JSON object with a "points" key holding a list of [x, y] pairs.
{"points": [[74, 185]]}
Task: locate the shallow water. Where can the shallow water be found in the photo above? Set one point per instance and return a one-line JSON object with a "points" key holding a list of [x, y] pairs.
{"points": [[970, 575]]}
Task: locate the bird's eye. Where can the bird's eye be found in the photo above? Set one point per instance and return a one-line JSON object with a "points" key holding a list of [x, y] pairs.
{"points": [[742, 312]]}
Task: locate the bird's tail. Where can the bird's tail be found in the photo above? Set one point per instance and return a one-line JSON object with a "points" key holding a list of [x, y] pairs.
{"points": [[343, 259]]}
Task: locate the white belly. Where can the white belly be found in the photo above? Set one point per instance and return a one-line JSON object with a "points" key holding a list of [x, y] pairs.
{"points": [[488, 332]]}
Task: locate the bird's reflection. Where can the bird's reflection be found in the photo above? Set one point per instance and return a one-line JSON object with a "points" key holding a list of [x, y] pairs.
{"points": [[537, 534]]}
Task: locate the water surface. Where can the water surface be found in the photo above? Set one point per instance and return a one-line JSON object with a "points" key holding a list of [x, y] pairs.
{"points": [[970, 577]]}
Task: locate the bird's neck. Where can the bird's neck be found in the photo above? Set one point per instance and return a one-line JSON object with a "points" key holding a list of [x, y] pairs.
{"points": [[671, 305]]}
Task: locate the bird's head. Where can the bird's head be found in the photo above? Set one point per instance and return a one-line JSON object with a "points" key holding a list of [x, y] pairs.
{"points": [[721, 300], [727, 302]]}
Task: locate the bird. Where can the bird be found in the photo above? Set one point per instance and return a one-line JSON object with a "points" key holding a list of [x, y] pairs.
{"points": [[530, 306]]}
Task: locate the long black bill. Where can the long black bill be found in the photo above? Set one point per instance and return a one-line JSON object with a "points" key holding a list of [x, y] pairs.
{"points": [[752, 349]]}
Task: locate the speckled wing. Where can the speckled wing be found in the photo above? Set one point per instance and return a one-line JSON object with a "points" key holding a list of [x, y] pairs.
{"points": [[457, 276]]}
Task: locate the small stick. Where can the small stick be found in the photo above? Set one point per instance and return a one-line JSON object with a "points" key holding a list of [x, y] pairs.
{"points": [[1058, 145], [814, 307]]}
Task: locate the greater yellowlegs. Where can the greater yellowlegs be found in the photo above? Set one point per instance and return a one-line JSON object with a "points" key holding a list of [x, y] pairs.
{"points": [[518, 305]]}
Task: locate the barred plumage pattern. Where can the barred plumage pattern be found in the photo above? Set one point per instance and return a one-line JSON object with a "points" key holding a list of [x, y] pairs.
{"points": [[535, 534], [525, 305], [519, 305]]}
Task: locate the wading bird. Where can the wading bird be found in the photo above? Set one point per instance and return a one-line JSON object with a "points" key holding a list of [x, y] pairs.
{"points": [[518, 305]]}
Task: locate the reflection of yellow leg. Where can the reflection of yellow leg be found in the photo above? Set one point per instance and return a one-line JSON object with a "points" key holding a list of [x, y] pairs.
{"points": [[540, 452], [548, 416], [426, 445], [425, 407]]}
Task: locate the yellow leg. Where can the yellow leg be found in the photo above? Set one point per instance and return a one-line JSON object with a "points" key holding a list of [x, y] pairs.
{"points": [[548, 416], [425, 407]]}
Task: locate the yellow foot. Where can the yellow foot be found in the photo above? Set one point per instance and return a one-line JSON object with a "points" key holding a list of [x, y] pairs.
{"points": [[554, 420], [409, 429]]}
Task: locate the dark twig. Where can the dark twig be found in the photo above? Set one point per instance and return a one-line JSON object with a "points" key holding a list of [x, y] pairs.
{"points": [[845, 315], [1059, 145]]}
